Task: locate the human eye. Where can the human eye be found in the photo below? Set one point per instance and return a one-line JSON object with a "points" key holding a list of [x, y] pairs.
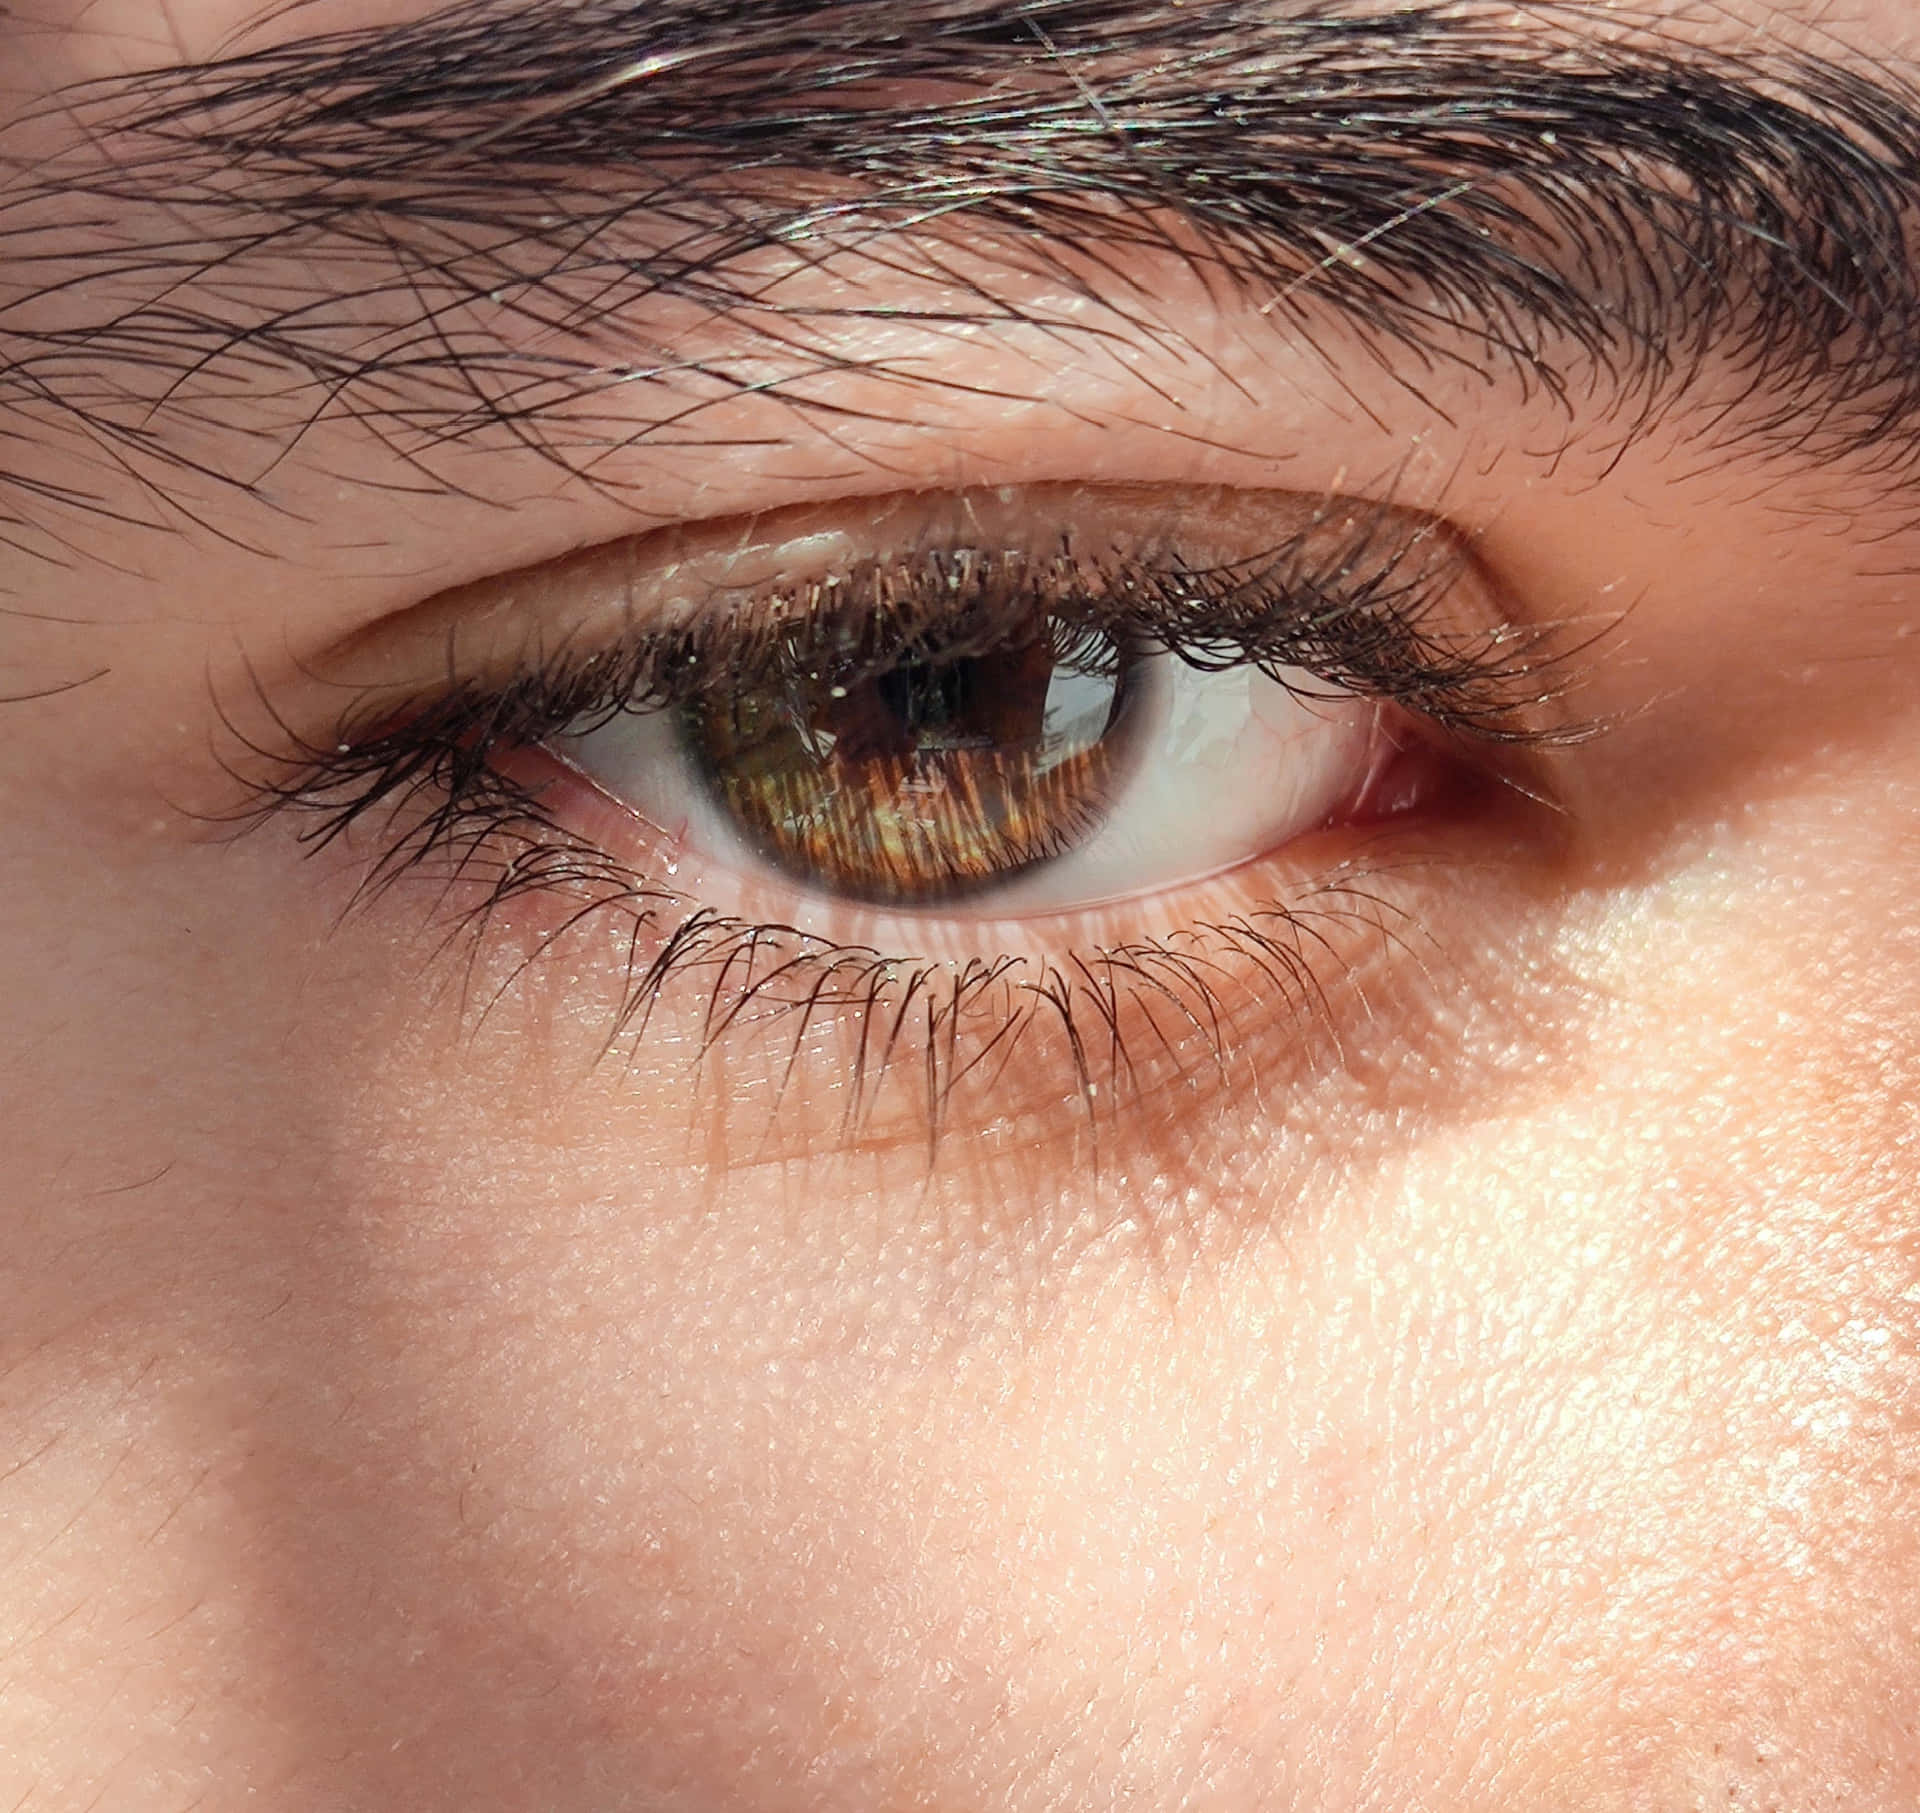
{"points": [[1083, 789], [1027, 703]]}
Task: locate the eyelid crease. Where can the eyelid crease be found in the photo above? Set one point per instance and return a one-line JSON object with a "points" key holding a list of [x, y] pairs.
{"points": [[1374, 597]]}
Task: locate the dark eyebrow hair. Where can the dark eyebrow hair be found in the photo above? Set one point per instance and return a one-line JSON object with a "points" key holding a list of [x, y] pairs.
{"points": [[366, 225]]}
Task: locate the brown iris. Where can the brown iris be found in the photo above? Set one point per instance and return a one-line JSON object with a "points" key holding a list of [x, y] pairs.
{"points": [[936, 776]]}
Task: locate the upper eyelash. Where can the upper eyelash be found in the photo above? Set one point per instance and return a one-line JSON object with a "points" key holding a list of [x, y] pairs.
{"points": [[1359, 617], [1359, 612]]}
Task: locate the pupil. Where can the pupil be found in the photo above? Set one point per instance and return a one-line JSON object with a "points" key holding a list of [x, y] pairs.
{"points": [[930, 702], [995, 701], [924, 780]]}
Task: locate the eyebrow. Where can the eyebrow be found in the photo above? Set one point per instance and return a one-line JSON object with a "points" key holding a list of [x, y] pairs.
{"points": [[365, 225]]}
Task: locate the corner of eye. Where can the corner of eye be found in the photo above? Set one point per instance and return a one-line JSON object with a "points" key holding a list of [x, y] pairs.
{"points": [[479, 630]]}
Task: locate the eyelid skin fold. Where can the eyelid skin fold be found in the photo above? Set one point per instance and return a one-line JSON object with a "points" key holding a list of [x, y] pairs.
{"points": [[1400, 576]]}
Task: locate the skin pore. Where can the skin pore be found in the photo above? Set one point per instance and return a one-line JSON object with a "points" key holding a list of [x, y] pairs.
{"points": [[512, 1305]]}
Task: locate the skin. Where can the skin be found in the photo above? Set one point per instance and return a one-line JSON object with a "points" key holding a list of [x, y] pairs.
{"points": [[1496, 1392]]}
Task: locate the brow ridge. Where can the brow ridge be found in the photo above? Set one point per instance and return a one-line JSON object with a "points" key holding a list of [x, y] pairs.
{"points": [[1603, 219]]}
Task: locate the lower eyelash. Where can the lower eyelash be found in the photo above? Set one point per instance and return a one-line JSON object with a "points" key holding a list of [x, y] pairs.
{"points": [[903, 1042], [1125, 1018]]}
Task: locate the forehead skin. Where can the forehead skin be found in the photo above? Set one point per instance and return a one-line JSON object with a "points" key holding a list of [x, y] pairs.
{"points": [[404, 1421]]}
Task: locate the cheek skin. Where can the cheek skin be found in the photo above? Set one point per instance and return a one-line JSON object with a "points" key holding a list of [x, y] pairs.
{"points": [[404, 1441], [384, 1424]]}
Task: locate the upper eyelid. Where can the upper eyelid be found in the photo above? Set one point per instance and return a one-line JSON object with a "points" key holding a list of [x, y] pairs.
{"points": [[180, 136], [1375, 598]]}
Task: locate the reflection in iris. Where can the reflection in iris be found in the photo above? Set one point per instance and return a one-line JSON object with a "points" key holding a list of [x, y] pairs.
{"points": [[928, 778]]}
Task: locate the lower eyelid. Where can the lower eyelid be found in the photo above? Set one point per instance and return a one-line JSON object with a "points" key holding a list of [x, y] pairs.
{"points": [[879, 1028], [609, 955]]}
